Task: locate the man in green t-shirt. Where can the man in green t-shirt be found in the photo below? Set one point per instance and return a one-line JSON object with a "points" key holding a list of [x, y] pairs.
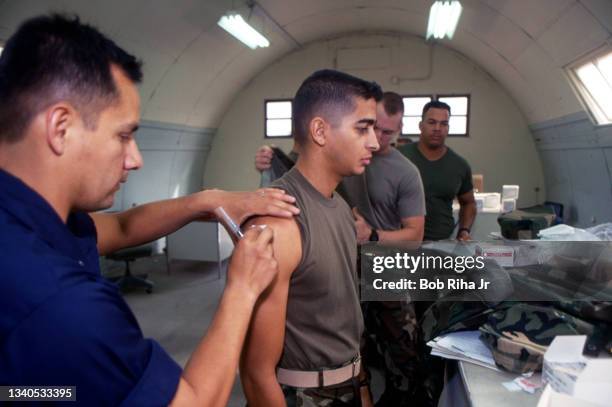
{"points": [[445, 175]]}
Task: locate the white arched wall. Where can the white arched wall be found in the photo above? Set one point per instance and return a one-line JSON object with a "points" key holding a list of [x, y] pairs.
{"points": [[194, 72], [500, 145], [193, 69]]}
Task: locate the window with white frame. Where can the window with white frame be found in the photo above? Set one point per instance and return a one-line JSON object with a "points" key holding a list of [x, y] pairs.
{"points": [[460, 114], [278, 118], [592, 78], [459, 120], [413, 108]]}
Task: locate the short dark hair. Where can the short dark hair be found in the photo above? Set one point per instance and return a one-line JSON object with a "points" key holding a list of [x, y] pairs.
{"points": [[392, 103], [53, 58], [328, 91], [435, 104]]}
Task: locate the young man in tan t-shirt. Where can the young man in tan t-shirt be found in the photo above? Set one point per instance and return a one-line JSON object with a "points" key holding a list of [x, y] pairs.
{"points": [[293, 332]]}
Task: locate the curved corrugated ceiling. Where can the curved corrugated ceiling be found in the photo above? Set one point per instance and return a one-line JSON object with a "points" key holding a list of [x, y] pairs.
{"points": [[193, 69]]}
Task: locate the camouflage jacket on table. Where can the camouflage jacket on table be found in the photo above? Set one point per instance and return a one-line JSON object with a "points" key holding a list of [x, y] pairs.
{"points": [[518, 334]]}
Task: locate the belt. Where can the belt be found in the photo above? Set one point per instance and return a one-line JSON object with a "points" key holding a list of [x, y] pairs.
{"points": [[319, 378]]}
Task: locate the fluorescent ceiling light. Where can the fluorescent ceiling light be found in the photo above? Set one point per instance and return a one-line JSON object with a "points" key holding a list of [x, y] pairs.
{"points": [[235, 25], [443, 19]]}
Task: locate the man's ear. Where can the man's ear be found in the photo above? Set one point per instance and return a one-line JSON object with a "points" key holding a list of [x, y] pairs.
{"points": [[318, 130], [58, 121]]}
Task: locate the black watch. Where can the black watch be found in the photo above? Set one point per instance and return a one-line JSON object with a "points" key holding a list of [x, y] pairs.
{"points": [[462, 230], [374, 236]]}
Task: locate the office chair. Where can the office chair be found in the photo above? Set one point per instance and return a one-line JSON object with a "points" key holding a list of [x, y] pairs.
{"points": [[128, 280]]}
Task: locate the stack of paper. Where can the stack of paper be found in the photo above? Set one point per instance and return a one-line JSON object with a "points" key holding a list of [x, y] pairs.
{"points": [[466, 346]]}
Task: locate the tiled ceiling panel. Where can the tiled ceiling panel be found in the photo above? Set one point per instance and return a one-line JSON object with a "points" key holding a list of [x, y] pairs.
{"points": [[497, 31], [533, 16], [574, 34], [193, 69]]}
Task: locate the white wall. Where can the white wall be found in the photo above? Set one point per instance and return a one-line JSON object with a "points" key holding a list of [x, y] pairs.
{"points": [[577, 160], [174, 158], [500, 145]]}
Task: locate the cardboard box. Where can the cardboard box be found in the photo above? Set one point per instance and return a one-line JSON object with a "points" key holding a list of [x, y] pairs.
{"points": [[478, 182], [568, 371], [503, 255], [551, 398]]}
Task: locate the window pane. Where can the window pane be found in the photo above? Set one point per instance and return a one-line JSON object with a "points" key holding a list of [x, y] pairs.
{"points": [[458, 104], [278, 127], [598, 87], [278, 110], [413, 106], [457, 125], [411, 125], [605, 66]]}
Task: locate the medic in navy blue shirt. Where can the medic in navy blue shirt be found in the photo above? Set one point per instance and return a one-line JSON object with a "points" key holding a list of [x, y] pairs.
{"points": [[69, 111]]}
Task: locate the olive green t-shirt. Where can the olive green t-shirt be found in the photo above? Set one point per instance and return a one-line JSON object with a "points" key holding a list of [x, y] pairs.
{"points": [[443, 180], [324, 323]]}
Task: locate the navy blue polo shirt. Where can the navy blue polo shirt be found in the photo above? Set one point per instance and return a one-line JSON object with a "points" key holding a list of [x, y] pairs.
{"points": [[61, 322]]}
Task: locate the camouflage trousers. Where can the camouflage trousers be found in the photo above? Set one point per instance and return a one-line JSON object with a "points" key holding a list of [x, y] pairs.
{"points": [[393, 336], [342, 395]]}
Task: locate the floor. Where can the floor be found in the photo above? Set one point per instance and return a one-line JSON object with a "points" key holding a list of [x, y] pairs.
{"points": [[181, 307]]}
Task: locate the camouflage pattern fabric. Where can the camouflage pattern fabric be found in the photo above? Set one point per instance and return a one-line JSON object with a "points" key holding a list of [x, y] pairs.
{"points": [[342, 395], [393, 334], [396, 346], [452, 316], [520, 333], [512, 356]]}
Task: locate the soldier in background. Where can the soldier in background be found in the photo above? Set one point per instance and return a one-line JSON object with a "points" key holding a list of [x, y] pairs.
{"points": [[446, 175]]}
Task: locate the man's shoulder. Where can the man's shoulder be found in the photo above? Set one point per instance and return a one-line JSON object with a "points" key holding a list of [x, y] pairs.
{"points": [[286, 181], [457, 158], [26, 281], [274, 222], [400, 166], [30, 270], [287, 241], [408, 149], [285, 229], [402, 161], [19, 245]]}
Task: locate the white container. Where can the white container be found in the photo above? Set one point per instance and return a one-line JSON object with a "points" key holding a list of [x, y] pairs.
{"points": [[510, 192], [583, 378], [508, 205], [490, 201]]}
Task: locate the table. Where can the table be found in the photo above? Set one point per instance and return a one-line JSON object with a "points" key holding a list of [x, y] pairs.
{"points": [[201, 241], [468, 384], [484, 224]]}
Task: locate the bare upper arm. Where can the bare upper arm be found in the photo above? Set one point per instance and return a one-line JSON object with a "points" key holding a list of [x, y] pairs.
{"points": [[466, 198], [413, 221], [416, 225], [264, 343], [108, 229]]}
